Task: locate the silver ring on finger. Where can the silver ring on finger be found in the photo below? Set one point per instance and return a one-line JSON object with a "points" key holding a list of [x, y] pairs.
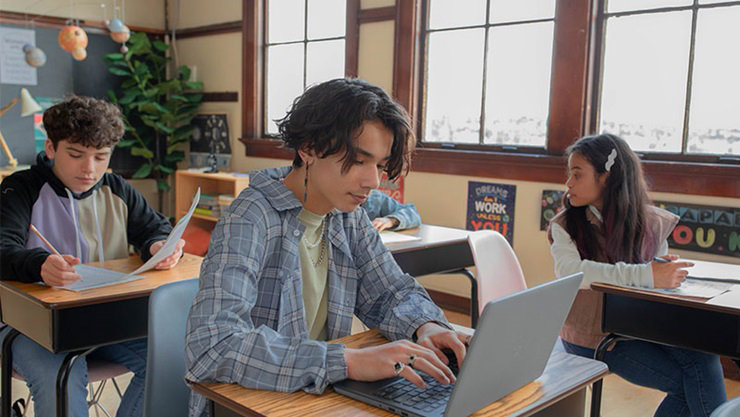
{"points": [[398, 367], [467, 340], [412, 358]]}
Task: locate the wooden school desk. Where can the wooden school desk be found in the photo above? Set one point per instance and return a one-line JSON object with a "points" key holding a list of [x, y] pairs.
{"points": [[674, 320], [441, 250], [78, 322], [565, 377]]}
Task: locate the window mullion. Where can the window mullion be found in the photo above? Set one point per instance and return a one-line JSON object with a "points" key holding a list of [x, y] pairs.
{"points": [[689, 79], [482, 130], [305, 42]]}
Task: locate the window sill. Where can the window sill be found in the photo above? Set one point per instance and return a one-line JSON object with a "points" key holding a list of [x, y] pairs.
{"points": [[711, 179]]}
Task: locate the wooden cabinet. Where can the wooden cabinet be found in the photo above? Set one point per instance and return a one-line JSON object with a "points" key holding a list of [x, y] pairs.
{"points": [[187, 182]]}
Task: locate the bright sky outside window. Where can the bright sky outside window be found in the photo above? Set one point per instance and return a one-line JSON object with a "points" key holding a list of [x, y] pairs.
{"points": [[304, 46], [648, 66], [499, 53]]}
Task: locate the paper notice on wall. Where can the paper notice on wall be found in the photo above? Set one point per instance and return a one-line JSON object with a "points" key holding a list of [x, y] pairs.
{"points": [[13, 66]]}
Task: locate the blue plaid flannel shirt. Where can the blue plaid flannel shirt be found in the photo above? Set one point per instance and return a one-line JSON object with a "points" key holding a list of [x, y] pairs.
{"points": [[247, 324]]}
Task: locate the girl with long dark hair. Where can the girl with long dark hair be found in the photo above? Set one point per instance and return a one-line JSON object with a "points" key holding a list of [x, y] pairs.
{"points": [[612, 233]]}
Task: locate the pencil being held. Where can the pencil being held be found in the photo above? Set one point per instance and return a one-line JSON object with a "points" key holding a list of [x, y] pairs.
{"points": [[57, 270]]}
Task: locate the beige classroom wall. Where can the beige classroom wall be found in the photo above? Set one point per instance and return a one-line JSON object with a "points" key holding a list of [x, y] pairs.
{"points": [[221, 72], [143, 13]]}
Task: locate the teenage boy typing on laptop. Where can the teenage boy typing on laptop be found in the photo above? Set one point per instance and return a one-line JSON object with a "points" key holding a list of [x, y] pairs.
{"points": [[88, 216], [292, 260]]}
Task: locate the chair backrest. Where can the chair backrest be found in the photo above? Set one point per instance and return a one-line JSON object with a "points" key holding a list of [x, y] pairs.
{"points": [[166, 393], [729, 409], [499, 272]]}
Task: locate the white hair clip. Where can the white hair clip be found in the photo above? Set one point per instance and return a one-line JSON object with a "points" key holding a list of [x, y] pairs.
{"points": [[610, 160]]}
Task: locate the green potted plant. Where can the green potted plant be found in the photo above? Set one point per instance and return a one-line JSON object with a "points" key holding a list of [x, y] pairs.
{"points": [[157, 108]]}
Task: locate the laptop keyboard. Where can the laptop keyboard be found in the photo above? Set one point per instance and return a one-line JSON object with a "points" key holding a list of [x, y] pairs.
{"points": [[404, 392]]}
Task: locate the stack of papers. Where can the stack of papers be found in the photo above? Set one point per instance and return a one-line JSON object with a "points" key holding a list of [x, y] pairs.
{"points": [[93, 277]]}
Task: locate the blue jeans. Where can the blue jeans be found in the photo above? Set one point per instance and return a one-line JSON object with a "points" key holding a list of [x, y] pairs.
{"points": [[693, 381], [39, 368]]}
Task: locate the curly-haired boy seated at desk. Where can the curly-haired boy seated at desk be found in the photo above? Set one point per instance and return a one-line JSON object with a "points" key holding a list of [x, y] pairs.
{"points": [[88, 216]]}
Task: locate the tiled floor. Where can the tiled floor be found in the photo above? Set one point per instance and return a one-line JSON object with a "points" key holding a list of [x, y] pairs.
{"points": [[621, 399]]}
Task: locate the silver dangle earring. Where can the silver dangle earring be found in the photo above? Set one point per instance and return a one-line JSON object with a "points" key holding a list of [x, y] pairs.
{"points": [[305, 186]]}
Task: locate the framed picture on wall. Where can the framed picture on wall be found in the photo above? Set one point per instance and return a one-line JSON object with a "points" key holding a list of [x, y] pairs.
{"points": [[210, 143]]}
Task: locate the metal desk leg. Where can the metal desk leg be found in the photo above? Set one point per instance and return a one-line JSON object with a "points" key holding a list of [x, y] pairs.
{"points": [[62, 378], [473, 295], [599, 356], [7, 372]]}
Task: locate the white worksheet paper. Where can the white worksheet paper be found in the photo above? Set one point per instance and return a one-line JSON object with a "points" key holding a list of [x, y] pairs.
{"points": [[714, 271], [729, 299], [94, 277], [388, 236], [694, 288]]}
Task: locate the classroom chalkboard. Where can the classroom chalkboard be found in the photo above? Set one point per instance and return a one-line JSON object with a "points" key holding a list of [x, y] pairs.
{"points": [[61, 76]]}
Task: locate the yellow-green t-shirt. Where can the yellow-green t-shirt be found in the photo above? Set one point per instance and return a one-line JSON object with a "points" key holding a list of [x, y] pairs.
{"points": [[313, 250]]}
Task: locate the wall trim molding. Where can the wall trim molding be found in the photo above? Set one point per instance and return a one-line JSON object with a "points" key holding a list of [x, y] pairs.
{"points": [[378, 14], [92, 26], [209, 30]]}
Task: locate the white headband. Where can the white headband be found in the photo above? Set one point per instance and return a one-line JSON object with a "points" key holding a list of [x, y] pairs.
{"points": [[610, 160]]}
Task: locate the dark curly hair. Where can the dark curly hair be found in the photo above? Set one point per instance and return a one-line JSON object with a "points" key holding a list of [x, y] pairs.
{"points": [[328, 117], [87, 121]]}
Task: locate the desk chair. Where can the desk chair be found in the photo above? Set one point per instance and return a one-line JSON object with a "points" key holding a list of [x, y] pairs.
{"points": [[729, 409], [99, 371], [165, 392], [499, 272]]}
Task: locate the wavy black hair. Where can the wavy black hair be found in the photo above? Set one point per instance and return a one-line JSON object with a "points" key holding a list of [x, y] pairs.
{"points": [[624, 207], [85, 120], [328, 117]]}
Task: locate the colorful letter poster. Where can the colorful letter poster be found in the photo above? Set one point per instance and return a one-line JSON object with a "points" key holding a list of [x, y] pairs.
{"points": [[705, 228], [491, 207], [395, 189]]}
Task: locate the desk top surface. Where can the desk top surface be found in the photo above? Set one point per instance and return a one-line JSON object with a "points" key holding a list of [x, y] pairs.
{"points": [[431, 236], [693, 302], [55, 298], [563, 375]]}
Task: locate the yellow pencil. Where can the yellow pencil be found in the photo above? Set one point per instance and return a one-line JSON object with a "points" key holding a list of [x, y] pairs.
{"points": [[48, 244]]}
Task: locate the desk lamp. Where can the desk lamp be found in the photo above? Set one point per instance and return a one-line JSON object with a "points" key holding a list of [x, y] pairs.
{"points": [[28, 106]]}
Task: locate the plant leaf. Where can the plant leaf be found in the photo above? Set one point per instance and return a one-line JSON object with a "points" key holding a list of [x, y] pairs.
{"points": [[160, 46], [143, 171], [126, 143], [119, 71], [143, 152], [165, 169]]}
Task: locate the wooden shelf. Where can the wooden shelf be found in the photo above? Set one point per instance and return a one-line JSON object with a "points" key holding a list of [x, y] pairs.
{"points": [[187, 182]]}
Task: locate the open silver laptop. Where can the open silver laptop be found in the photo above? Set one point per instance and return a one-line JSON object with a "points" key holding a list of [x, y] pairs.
{"points": [[510, 349]]}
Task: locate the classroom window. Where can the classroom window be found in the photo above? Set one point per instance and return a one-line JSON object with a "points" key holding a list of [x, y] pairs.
{"points": [[499, 54], [304, 45], [669, 81]]}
